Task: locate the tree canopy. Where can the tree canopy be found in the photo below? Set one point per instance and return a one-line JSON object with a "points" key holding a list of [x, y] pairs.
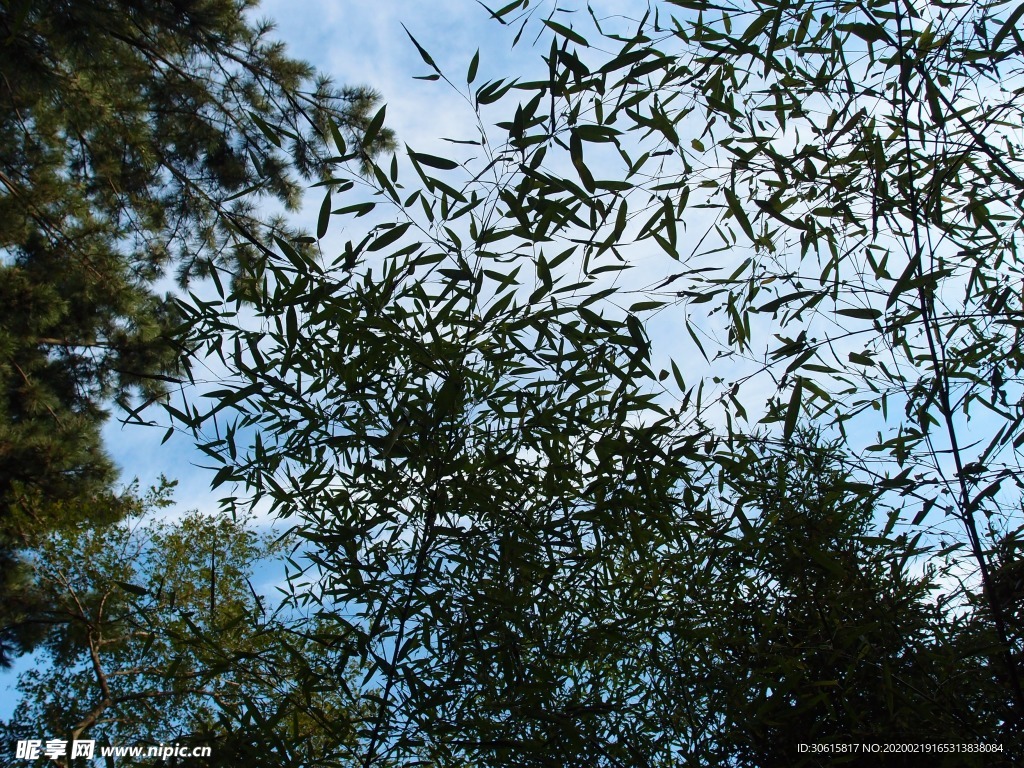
{"points": [[673, 416], [538, 523], [158, 636], [136, 139]]}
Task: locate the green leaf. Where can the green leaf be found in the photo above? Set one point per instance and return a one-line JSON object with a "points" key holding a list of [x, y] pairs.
{"points": [[870, 33], [247, 191], [389, 237], [339, 140], [132, 588], [266, 130], [793, 411], [423, 54], [737, 211], [492, 92], [359, 209], [300, 262], [861, 313], [292, 326], [373, 129], [760, 23], [678, 376], [596, 133], [643, 306], [434, 162], [1008, 26], [325, 216], [775, 304], [576, 155], [567, 33], [473, 65], [923, 512], [693, 336]]}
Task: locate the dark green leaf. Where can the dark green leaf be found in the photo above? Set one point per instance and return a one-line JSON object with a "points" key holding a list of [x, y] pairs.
{"points": [[374, 128], [566, 33], [132, 588], [434, 162], [793, 410], [325, 216], [388, 237], [423, 54], [861, 313]]}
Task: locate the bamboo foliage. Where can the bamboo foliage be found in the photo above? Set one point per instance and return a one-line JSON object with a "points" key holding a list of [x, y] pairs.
{"points": [[530, 513]]}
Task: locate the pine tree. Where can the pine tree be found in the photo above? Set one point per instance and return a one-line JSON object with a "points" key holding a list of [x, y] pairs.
{"points": [[136, 137]]}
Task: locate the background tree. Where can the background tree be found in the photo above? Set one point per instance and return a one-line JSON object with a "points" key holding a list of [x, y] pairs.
{"points": [[157, 636], [134, 137], [524, 509], [827, 636]]}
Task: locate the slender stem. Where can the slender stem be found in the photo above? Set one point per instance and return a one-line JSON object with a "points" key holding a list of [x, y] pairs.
{"points": [[942, 383]]}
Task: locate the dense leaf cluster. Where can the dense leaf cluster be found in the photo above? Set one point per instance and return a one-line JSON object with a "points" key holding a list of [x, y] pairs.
{"points": [[158, 636], [134, 137], [674, 418], [555, 542]]}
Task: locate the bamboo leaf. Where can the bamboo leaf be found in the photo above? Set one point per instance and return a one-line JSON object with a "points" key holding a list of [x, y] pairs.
{"points": [[388, 237], [325, 216], [861, 313], [423, 54], [442, 163], [374, 128], [1008, 26], [567, 33], [793, 410], [738, 213]]}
